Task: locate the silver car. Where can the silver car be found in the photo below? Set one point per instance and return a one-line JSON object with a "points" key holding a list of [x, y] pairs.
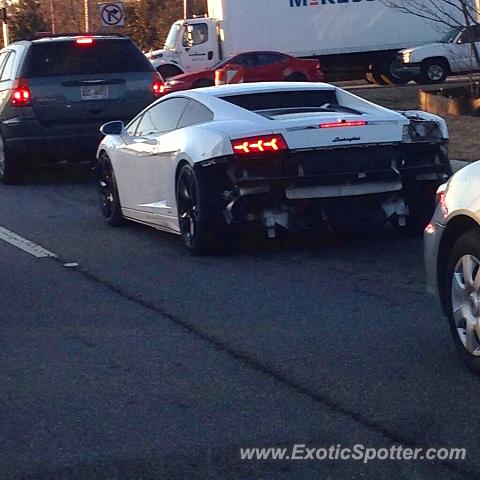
{"points": [[452, 258]]}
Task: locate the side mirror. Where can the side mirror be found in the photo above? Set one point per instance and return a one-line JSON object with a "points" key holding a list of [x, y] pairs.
{"points": [[113, 128]]}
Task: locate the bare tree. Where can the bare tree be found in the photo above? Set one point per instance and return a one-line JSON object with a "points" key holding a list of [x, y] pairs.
{"points": [[147, 21]]}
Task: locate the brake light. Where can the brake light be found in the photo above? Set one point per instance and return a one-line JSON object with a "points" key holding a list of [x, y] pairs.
{"points": [[84, 41], [21, 94], [263, 144], [158, 88], [442, 202], [344, 123]]}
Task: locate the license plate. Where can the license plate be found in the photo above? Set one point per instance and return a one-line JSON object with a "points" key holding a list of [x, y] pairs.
{"points": [[94, 92]]}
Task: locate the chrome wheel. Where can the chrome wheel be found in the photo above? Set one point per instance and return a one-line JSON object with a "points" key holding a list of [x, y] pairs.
{"points": [[435, 73], [465, 294], [2, 157], [187, 204]]}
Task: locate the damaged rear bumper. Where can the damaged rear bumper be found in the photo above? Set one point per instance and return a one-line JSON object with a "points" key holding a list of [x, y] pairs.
{"points": [[347, 187]]}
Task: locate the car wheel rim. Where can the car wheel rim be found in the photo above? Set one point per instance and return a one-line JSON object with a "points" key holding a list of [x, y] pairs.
{"points": [[107, 197], [466, 302], [435, 72], [2, 158], [187, 207]]}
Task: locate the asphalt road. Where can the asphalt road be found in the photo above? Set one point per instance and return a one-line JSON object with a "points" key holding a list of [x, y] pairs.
{"points": [[144, 363]]}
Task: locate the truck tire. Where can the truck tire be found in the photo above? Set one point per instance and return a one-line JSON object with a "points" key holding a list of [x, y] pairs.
{"points": [[369, 78], [390, 77], [374, 74], [434, 70]]}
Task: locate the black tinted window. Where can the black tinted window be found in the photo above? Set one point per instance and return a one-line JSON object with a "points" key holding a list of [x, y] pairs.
{"points": [[69, 58], [162, 117], [265, 58], [195, 113], [279, 100], [247, 61]]}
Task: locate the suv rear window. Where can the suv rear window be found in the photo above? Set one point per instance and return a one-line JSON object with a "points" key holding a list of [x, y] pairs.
{"points": [[68, 58]]}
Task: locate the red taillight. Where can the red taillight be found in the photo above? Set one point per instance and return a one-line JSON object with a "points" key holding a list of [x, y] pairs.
{"points": [[442, 202], [158, 88], [343, 124], [255, 145], [84, 41], [21, 94], [441, 199]]}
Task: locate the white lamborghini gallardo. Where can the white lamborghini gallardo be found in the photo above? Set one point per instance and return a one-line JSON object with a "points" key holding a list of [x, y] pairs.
{"points": [[270, 155]]}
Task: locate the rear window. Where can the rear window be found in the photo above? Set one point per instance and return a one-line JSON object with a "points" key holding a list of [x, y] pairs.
{"points": [[67, 58], [284, 100]]}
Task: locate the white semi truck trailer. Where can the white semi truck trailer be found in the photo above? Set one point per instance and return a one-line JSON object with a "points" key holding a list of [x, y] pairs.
{"points": [[351, 38]]}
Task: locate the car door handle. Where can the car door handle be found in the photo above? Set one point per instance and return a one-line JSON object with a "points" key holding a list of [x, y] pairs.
{"points": [[210, 54]]}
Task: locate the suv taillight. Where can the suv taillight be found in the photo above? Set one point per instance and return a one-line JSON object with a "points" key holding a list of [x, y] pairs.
{"points": [[21, 94], [158, 88]]}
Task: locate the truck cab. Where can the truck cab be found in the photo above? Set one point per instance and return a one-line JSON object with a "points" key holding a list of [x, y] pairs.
{"points": [[432, 63], [191, 45]]}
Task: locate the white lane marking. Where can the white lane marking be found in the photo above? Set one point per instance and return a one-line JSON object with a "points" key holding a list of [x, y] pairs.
{"points": [[24, 244]]}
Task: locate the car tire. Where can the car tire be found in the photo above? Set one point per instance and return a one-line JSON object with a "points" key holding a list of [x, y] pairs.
{"points": [[202, 225], [203, 83], [462, 296], [108, 193], [12, 169], [435, 70], [296, 77]]}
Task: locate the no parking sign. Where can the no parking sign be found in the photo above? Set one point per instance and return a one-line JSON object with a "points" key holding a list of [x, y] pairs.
{"points": [[112, 14]]}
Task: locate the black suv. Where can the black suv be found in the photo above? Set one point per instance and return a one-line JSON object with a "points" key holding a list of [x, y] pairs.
{"points": [[55, 93]]}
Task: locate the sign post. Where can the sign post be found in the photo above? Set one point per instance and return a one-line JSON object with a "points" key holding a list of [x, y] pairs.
{"points": [[5, 29], [112, 14]]}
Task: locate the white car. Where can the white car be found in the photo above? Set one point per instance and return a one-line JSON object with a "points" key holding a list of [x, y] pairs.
{"points": [[270, 155], [452, 260]]}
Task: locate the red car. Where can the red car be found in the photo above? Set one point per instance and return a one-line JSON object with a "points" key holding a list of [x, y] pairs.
{"points": [[257, 67]]}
